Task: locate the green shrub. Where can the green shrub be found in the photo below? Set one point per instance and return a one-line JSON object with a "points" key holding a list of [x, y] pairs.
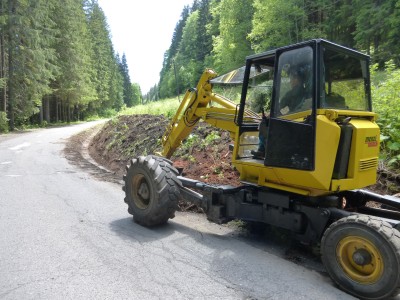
{"points": [[386, 103], [210, 138], [3, 122], [108, 113], [191, 141]]}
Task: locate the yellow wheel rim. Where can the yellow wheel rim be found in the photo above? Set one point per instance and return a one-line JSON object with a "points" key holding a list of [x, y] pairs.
{"points": [[360, 259]]}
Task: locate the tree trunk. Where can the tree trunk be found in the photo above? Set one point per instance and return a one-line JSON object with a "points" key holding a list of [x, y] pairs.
{"points": [[10, 66], [58, 107], [68, 110], [3, 91], [41, 114], [46, 106], [76, 112], [62, 110]]}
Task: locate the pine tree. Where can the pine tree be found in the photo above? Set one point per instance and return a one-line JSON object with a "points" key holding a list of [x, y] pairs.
{"points": [[186, 59], [103, 56], [338, 21], [31, 58], [116, 84], [74, 87], [3, 57], [375, 28], [232, 46], [128, 93], [167, 84], [278, 23], [195, 46], [136, 94], [204, 39]]}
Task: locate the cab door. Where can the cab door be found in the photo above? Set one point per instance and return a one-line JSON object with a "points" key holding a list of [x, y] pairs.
{"points": [[291, 131]]}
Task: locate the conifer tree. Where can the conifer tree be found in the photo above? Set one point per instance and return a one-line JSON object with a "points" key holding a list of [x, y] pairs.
{"points": [[232, 45], [277, 23], [167, 85], [186, 59], [31, 58], [128, 93], [116, 84], [376, 31], [204, 38], [103, 54], [136, 94], [74, 86]]}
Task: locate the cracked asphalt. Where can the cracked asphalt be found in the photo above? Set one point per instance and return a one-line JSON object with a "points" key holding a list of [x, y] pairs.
{"points": [[65, 234]]}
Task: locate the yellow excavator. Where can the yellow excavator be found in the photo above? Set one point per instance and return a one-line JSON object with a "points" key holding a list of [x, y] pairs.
{"points": [[303, 165]]}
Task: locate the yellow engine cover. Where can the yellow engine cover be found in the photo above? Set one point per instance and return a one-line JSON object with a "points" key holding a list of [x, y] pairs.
{"points": [[362, 166]]}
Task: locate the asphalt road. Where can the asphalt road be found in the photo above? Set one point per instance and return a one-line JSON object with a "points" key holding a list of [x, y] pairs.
{"points": [[67, 235]]}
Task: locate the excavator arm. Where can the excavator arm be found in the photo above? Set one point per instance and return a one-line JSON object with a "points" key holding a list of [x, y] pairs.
{"points": [[201, 103]]}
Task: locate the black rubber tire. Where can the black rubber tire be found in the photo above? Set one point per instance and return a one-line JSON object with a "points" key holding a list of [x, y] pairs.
{"points": [[376, 243], [151, 190]]}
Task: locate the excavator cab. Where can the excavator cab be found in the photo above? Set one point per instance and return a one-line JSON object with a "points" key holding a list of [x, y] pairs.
{"points": [[319, 115]]}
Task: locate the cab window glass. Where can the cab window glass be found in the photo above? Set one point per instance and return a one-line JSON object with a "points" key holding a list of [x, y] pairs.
{"points": [[344, 82], [259, 91], [294, 92]]}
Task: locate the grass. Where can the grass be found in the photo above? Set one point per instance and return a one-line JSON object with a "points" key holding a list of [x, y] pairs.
{"points": [[166, 107]]}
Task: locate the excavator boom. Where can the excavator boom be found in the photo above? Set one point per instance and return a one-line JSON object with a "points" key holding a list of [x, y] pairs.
{"points": [[201, 103]]}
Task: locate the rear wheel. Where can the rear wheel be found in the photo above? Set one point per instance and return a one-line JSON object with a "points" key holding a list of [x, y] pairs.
{"points": [[152, 190], [362, 255]]}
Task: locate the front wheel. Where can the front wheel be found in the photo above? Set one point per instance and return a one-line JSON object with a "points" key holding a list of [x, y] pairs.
{"points": [[362, 255], [152, 190]]}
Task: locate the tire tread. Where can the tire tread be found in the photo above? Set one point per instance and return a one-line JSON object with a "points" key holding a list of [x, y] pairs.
{"points": [[166, 193], [385, 230]]}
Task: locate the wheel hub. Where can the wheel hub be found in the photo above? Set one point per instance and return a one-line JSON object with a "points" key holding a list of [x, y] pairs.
{"points": [[360, 259], [142, 192]]}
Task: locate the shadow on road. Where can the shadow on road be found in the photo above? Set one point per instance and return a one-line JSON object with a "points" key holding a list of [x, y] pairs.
{"points": [[235, 256], [267, 239]]}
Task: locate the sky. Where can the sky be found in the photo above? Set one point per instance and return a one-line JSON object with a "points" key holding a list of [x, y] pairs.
{"points": [[142, 29]]}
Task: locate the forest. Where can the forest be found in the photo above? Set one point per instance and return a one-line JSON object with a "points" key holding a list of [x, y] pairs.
{"points": [[57, 64], [221, 33], [57, 61]]}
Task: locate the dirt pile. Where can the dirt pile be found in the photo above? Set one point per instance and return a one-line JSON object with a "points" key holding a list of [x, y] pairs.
{"points": [[203, 156]]}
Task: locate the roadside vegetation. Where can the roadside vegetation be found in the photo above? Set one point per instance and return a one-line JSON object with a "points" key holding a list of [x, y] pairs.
{"points": [[386, 102], [166, 107]]}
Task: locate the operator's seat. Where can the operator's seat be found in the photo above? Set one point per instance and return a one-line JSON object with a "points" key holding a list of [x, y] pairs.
{"points": [[333, 100]]}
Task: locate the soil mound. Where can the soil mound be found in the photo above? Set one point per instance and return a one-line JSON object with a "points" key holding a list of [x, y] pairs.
{"points": [[204, 155]]}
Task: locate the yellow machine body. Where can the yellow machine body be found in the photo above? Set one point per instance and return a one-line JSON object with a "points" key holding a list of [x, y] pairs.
{"points": [[362, 167], [321, 122]]}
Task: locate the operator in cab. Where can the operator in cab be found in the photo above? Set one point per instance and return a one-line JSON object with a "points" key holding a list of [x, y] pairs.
{"points": [[288, 103], [295, 96]]}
